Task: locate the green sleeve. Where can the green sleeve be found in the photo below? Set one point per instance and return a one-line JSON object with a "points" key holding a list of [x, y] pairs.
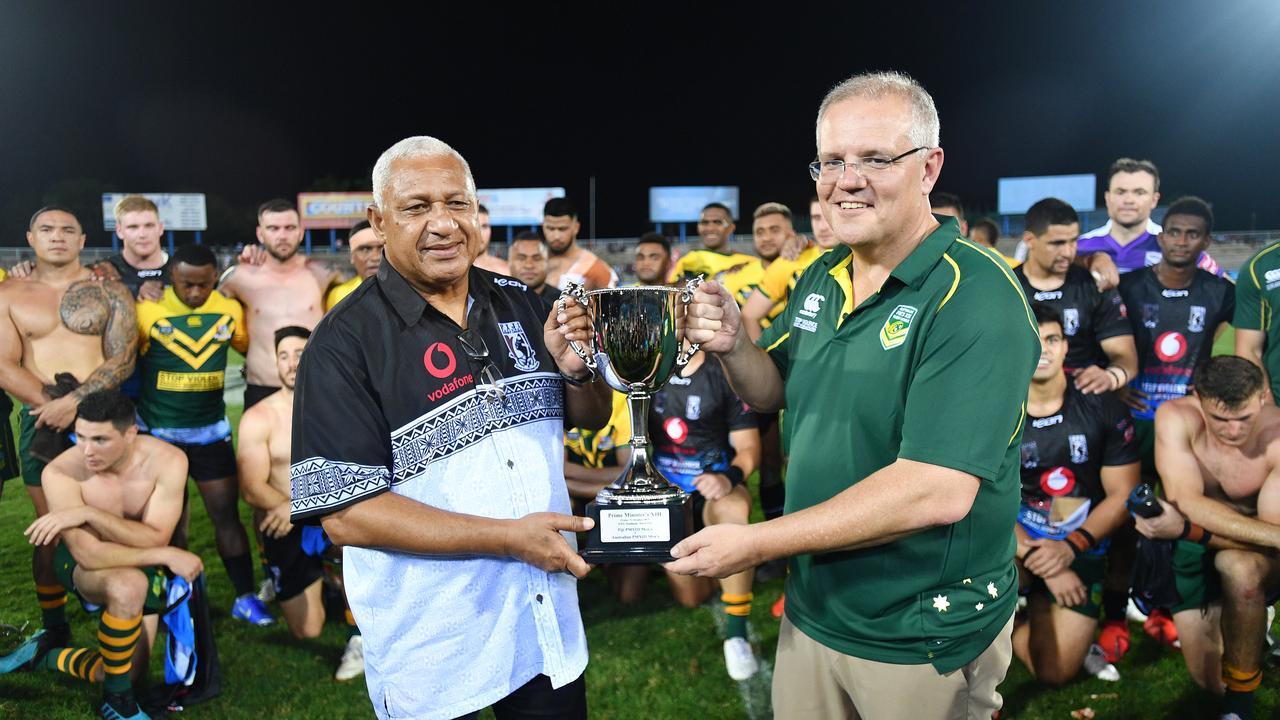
{"points": [[1249, 300], [965, 403]]}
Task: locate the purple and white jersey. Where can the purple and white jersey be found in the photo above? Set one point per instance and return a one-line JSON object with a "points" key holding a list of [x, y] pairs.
{"points": [[1142, 252]]}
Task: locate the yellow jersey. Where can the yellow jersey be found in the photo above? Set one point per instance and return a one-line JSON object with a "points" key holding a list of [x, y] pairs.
{"points": [[337, 292], [780, 277], [599, 448]]}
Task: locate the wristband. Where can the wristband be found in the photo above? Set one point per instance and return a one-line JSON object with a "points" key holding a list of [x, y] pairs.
{"points": [[1080, 541], [1192, 532], [1029, 553], [734, 473], [1119, 378]]}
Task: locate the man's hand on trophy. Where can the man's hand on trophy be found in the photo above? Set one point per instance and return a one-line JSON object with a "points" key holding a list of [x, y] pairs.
{"points": [[717, 551], [713, 318], [536, 539], [568, 321]]}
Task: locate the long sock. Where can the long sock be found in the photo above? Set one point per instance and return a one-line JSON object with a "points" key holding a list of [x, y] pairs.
{"points": [[1114, 604], [117, 638], [1240, 686], [352, 628], [81, 663], [240, 571], [738, 608], [53, 603]]}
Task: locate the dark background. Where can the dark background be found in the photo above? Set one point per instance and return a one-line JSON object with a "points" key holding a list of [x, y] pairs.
{"points": [[247, 102]]}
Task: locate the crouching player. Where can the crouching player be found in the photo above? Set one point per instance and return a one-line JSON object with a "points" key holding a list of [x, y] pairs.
{"points": [[114, 500], [1079, 463]]}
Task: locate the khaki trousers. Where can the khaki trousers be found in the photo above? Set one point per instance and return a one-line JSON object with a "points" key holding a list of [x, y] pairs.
{"points": [[813, 681]]}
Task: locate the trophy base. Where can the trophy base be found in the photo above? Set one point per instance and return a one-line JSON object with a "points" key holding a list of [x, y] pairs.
{"points": [[635, 532]]}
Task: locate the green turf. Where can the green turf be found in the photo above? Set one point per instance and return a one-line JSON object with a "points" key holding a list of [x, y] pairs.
{"points": [[651, 660]]}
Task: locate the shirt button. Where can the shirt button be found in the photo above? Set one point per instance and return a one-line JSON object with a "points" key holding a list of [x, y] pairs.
{"points": [[510, 464], [539, 597]]}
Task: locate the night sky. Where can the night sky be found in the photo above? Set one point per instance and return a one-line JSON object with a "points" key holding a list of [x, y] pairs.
{"points": [[245, 103]]}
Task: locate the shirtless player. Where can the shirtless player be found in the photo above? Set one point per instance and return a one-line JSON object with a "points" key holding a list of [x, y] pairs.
{"points": [[1219, 460], [114, 500], [286, 289], [58, 322], [293, 553]]}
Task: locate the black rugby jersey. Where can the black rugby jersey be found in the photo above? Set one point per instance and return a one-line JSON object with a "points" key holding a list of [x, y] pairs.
{"points": [[1089, 316], [132, 277], [387, 398], [1063, 456], [690, 421], [1173, 330]]}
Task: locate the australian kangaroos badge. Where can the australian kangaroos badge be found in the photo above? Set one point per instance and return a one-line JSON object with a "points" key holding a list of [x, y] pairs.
{"points": [[895, 329]]}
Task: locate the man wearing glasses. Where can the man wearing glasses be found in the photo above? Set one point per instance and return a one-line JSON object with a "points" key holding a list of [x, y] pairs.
{"points": [[903, 481], [427, 440]]}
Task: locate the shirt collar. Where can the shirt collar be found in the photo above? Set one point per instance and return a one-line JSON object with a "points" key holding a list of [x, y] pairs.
{"points": [[915, 267], [411, 306]]}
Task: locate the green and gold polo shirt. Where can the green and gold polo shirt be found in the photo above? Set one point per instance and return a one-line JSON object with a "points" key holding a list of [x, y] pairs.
{"points": [[1257, 293], [933, 368]]}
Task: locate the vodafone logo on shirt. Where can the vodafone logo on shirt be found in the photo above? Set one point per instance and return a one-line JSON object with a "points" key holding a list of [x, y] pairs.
{"points": [[1057, 481], [439, 360], [677, 429], [1171, 346]]}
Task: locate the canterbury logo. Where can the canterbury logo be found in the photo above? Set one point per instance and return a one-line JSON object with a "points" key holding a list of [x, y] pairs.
{"points": [[812, 304]]}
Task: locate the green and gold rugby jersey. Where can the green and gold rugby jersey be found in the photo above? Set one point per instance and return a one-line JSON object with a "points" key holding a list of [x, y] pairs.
{"points": [[183, 356], [932, 368], [1257, 294]]}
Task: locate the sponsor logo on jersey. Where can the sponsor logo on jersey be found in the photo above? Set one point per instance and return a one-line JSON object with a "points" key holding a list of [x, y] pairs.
{"points": [[806, 325], [677, 429], [450, 387], [1070, 321], [604, 442], [1045, 295], [895, 329], [1171, 346], [508, 282], [1058, 481], [1175, 293], [1150, 315], [1195, 321], [812, 304], [1030, 454], [693, 407], [1079, 448], [1045, 422], [222, 333], [439, 360], [518, 346]]}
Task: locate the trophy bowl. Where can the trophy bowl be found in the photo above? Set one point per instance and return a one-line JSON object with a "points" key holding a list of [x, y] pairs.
{"points": [[636, 348]]}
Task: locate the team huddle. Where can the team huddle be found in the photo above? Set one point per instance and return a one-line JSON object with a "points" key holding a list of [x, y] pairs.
{"points": [[438, 434]]}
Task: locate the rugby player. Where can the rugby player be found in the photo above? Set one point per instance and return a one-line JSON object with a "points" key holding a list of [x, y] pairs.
{"points": [[63, 335], [114, 500], [1079, 464]]}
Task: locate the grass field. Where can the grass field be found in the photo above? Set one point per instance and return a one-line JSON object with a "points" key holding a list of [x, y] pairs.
{"points": [[651, 660]]}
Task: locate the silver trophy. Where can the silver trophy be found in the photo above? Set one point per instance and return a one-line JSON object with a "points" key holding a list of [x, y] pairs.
{"points": [[636, 348]]}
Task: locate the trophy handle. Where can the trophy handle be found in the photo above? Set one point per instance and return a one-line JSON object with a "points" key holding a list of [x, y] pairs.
{"points": [[686, 297], [578, 292]]}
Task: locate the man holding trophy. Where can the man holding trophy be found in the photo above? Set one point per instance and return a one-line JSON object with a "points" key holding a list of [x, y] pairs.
{"points": [[428, 419], [902, 363]]}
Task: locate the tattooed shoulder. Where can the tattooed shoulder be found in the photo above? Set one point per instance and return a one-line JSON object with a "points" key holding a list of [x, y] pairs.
{"points": [[86, 307]]}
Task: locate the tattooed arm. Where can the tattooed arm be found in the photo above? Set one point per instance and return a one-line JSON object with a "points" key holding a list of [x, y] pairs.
{"points": [[119, 342], [95, 308]]}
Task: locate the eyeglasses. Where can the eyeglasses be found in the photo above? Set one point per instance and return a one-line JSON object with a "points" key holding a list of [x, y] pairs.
{"points": [[473, 345], [832, 170]]}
